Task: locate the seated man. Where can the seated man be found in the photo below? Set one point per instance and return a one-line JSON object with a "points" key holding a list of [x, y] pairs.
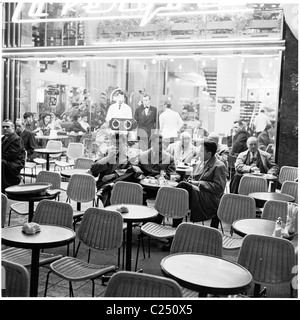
{"points": [[208, 186], [251, 160], [183, 150], [222, 151], [116, 166], [28, 139], [13, 156]]}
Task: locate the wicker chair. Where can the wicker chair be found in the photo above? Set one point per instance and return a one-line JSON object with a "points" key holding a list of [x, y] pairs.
{"points": [[134, 284], [16, 279], [4, 202], [22, 208], [274, 209], [171, 203], [125, 192], [290, 188], [81, 189], [269, 259], [75, 150], [191, 237], [83, 163], [99, 229], [47, 212], [233, 207], [287, 173], [29, 166]]}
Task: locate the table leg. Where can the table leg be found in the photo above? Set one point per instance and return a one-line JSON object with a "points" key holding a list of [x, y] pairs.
{"points": [[128, 246], [34, 277], [30, 210], [47, 161]]}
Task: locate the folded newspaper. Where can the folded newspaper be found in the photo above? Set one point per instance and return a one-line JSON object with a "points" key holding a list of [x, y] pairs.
{"points": [[31, 228]]}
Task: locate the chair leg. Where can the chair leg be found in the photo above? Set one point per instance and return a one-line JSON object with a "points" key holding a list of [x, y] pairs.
{"points": [[137, 254], [93, 287], [46, 284], [71, 292], [221, 227], [256, 292], [9, 216]]}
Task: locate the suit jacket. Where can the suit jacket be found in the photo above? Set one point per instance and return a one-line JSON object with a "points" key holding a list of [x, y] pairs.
{"points": [[13, 160], [180, 154], [145, 122], [151, 166], [239, 142], [29, 143], [204, 199], [264, 163]]}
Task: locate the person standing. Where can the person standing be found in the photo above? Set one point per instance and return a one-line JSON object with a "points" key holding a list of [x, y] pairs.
{"points": [[170, 123], [145, 116], [28, 139], [260, 122], [239, 139], [13, 156], [119, 109]]}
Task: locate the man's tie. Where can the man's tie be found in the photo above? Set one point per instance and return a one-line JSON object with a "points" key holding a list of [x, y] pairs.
{"points": [[146, 110]]}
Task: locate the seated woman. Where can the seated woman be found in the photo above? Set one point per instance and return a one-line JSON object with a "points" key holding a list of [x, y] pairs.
{"points": [[183, 150], [116, 166]]}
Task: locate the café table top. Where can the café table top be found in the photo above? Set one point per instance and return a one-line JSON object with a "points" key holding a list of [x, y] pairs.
{"points": [[269, 177], [154, 183], [266, 196], [50, 194], [137, 213], [69, 172], [206, 274], [49, 151], [257, 226], [50, 236], [58, 137]]}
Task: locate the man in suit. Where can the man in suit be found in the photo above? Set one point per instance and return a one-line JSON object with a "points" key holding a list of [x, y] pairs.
{"points": [[249, 161], [239, 139], [13, 156], [208, 186], [146, 117], [28, 139]]}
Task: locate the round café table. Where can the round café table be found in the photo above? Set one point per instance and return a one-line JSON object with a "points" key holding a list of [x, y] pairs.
{"points": [[137, 213], [50, 236], [206, 274], [67, 173], [47, 152], [32, 198], [262, 227], [261, 197]]}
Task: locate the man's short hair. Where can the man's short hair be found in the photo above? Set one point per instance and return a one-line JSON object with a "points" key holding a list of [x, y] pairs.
{"points": [[120, 92], [19, 121], [8, 122], [167, 104], [239, 122], [27, 115], [147, 95], [210, 146]]}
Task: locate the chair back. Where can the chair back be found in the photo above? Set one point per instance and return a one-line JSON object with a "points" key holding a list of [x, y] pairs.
{"points": [[290, 188], [4, 202], [172, 202], [136, 284], [127, 193], [191, 237], [50, 176], [54, 213], [101, 229], [75, 150], [269, 259], [274, 209], [236, 206], [287, 173], [250, 184], [81, 188], [16, 279], [55, 145], [83, 163]]}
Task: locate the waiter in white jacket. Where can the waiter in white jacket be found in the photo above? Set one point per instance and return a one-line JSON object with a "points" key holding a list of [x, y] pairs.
{"points": [[170, 123]]}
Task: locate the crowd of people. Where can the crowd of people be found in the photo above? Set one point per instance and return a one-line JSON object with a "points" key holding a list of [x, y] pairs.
{"points": [[166, 144]]}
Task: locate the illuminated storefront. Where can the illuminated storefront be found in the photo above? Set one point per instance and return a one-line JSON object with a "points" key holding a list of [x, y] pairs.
{"points": [[219, 63]]}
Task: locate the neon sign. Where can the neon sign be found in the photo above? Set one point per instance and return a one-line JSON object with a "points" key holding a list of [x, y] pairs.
{"points": [[37, 11]]}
